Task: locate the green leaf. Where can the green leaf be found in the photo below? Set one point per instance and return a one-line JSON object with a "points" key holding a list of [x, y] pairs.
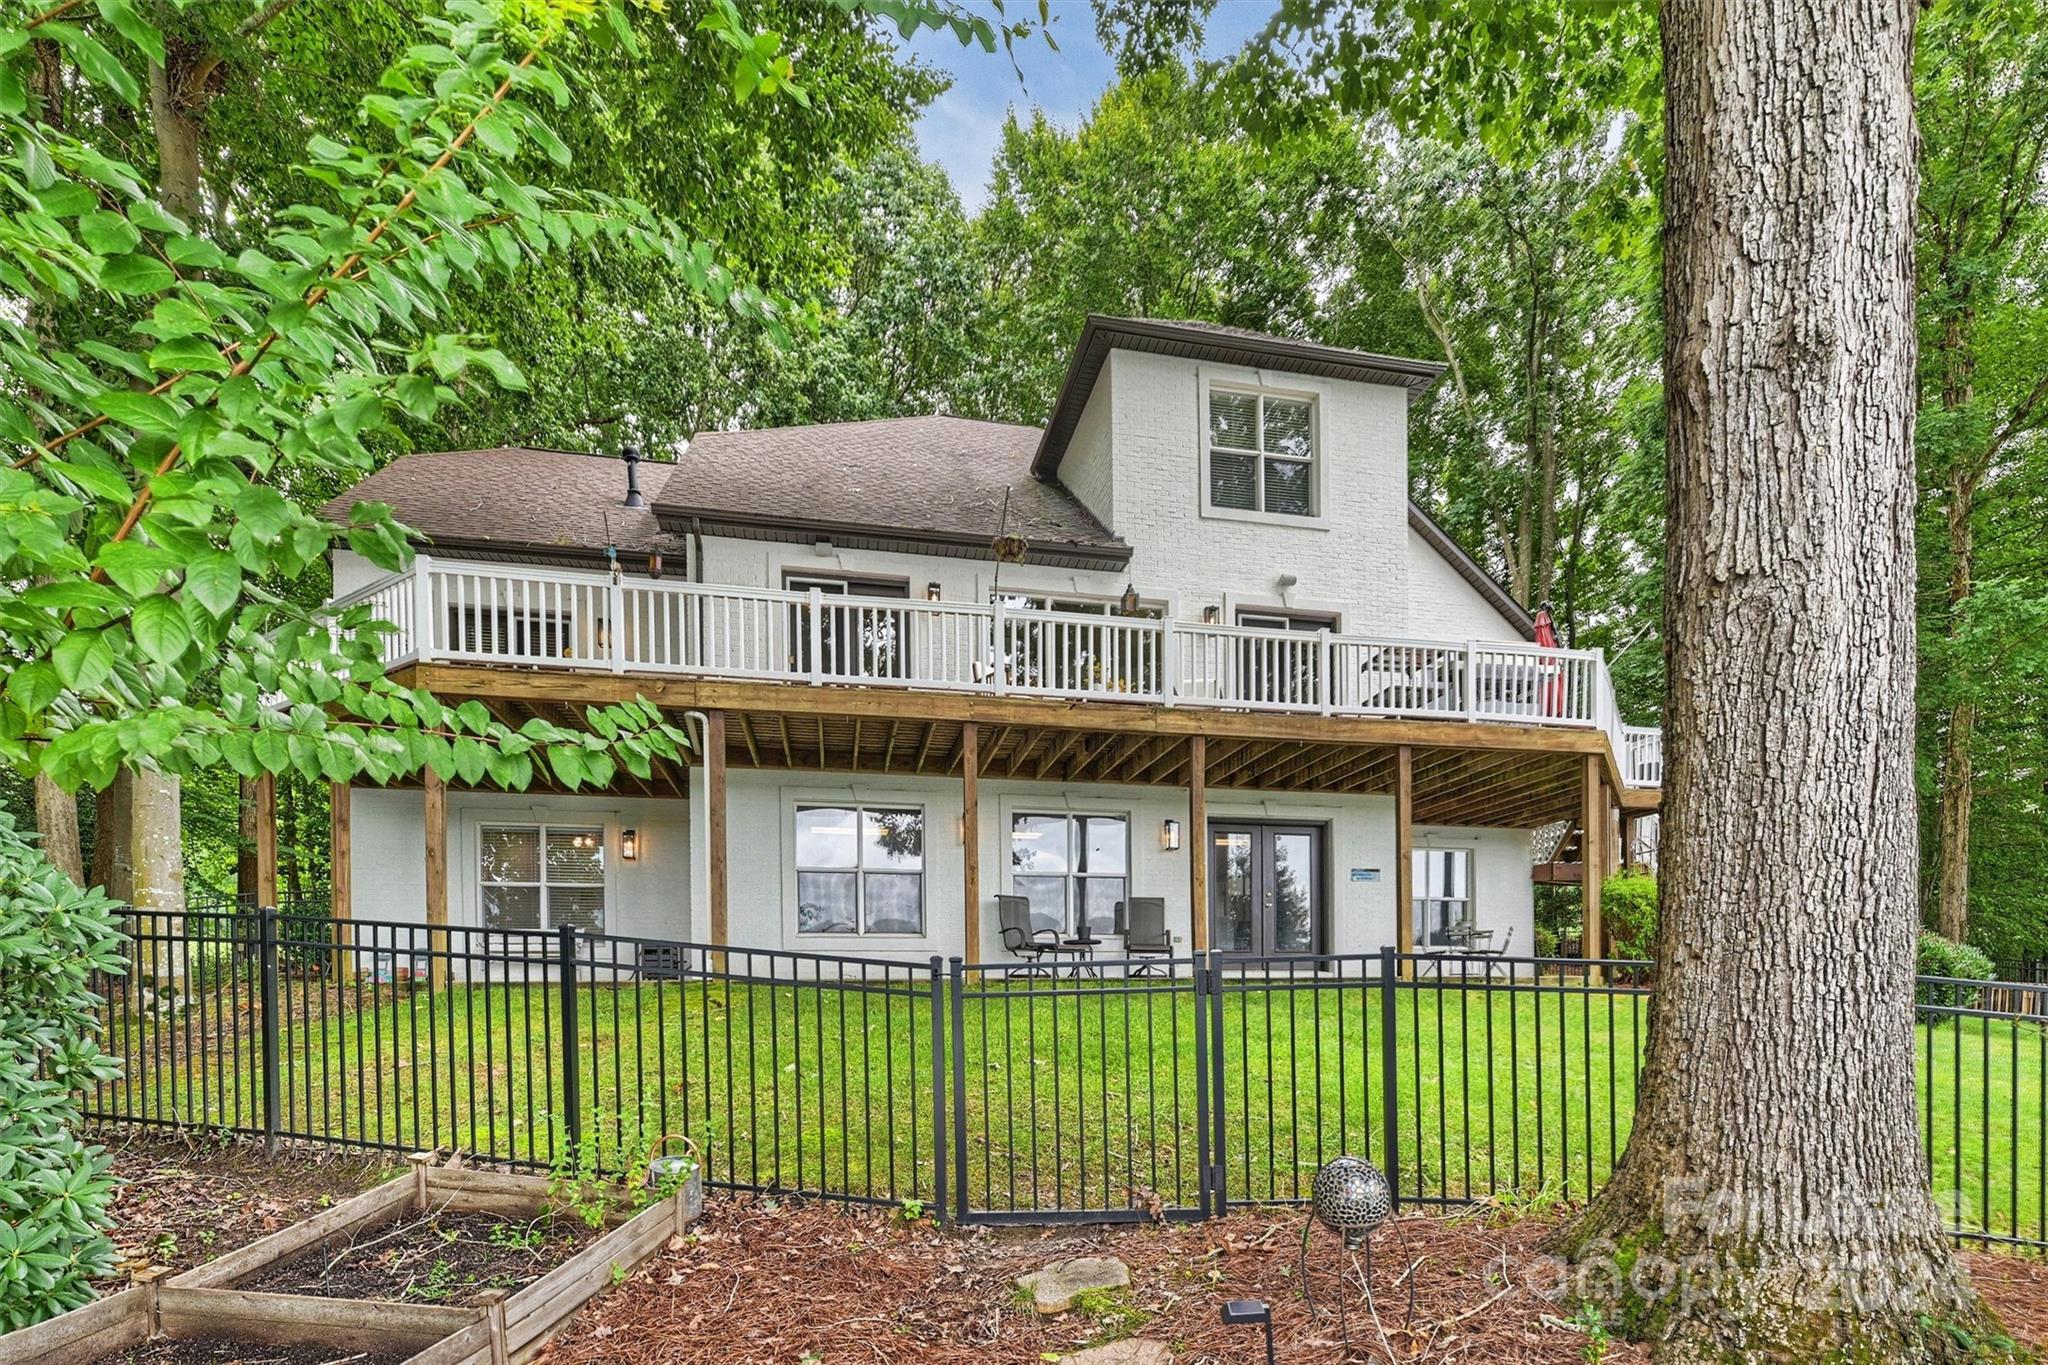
{"points": [[83, 660], [215, 581], [34, 686], [137, 568], [110, 234], [136, 275], [132, 26], [144, 411], [160, 630], [263, 511]]}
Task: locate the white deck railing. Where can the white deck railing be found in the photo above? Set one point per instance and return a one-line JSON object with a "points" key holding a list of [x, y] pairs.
{"points": [[473, 613]]}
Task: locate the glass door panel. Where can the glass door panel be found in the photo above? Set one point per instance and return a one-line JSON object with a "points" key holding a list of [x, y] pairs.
{"points": [[1265, 888], [1294, 876], [1234, 907]]}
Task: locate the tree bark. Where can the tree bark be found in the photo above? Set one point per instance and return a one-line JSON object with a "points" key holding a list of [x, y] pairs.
{"points": [[1773, 1202], [176, 127], [57, 822], [245, 842]]}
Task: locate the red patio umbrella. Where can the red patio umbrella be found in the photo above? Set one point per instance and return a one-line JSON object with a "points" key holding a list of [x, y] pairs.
{"points": [[1546, 637]]}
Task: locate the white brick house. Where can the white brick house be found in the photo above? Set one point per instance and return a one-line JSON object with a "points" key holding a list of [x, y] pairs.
{"points": [[1220, 659]]}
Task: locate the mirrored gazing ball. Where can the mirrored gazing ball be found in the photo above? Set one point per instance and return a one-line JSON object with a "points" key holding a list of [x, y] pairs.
{"points": [[1351, 1196]]}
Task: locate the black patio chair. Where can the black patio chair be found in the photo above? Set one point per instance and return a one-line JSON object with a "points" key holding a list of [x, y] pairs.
{"points": [[1141, 921], [1023, 941]]}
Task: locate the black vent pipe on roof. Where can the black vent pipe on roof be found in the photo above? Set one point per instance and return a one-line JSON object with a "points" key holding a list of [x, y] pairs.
{"points": [[631, 455]]}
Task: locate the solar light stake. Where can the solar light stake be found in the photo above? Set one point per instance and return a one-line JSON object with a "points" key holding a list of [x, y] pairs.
{"points": [[1250, 1312]]}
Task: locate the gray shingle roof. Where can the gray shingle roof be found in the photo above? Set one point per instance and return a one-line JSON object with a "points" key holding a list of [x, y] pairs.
{"points": [[924, 477], [517, 497]]}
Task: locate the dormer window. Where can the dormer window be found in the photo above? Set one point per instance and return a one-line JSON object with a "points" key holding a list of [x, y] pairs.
{"points": [[1261, 452]]}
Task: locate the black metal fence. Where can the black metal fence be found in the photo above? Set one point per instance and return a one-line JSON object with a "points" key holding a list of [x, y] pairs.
{"points": [[1163, 1088]]}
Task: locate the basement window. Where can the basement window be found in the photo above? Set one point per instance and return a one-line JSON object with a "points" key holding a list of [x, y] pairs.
{"points": [[859, 870], [540, 877]]}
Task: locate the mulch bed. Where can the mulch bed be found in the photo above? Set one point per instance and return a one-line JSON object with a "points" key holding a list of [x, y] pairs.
{"points": [[758, 1281], [185, 1203], [761, 1282], [442, 1258], [167, 1352]]}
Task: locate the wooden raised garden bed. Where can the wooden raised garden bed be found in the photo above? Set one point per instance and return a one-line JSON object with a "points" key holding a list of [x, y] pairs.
{"points": [[507, 1294]]}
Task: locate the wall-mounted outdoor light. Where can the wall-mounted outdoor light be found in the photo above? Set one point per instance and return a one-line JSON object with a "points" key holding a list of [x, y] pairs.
{"points": [[932, 591], [629, 845], [1211, 615], [1169, 836], [1128, 603]]}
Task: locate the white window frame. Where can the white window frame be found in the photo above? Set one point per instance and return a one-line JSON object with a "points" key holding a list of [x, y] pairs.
{"points": [[1470, 900], [539, 829], [860, 807], [1072, 892], [1317, 516]]}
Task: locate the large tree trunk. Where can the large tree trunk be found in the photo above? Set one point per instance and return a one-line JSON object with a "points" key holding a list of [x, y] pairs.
{"points": [[1958, 767], [1772, 1203], [57, 822]]}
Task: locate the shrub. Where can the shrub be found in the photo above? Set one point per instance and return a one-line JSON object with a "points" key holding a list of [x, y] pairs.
{"points": [[1941, 957], [54, 1189], [1628, 908]]}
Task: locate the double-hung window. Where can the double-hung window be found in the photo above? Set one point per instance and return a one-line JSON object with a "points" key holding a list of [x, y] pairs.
{"points": [[1443, 891], [1071, 867], [1261, 450], [541, 876], [859, 869]]}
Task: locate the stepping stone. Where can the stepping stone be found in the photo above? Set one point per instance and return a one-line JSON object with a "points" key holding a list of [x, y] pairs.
{"points": [[1122, 1353], [1054, 1289]]}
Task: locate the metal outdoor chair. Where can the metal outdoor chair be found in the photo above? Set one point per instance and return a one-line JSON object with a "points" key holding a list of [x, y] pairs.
{"points": [[1023, 941], [1141, 921]]}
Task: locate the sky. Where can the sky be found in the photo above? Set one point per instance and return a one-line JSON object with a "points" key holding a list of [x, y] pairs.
{"points": [[961, 128]]}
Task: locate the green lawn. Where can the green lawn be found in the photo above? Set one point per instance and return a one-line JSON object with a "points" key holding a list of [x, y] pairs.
{"points": [[1074, 1097]]}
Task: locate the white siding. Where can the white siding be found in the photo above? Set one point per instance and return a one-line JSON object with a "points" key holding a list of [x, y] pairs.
{"points": [[647, 898], [1352, 559], [1442, 605]]}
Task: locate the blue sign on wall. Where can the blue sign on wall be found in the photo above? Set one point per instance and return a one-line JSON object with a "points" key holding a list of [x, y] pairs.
{"points": [[1365, 874]]}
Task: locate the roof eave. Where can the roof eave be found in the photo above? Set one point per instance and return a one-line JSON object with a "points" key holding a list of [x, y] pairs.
{"points": [[1108, 555]]}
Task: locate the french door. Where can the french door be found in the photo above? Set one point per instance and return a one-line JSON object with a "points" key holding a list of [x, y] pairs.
{"points": [[1265, 887]]}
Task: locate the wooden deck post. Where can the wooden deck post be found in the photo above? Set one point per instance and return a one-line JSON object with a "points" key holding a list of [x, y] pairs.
{"points": [[970, 838], [1593, 852], [340, 871], [1404, 852], [434, 820], [1198, 842], [266, 839], [714, 823]]}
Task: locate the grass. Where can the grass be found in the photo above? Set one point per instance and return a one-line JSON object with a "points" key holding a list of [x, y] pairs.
{"points": [[1073, 1096]]}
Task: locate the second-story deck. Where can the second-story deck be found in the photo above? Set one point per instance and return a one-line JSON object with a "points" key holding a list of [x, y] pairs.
{"points": [[538, 618]]}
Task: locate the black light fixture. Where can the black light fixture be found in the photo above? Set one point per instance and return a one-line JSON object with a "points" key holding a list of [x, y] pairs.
{"points": [[932, 591], [629, 845], [1211, 614], [1251, 1313], [1128, 603]]}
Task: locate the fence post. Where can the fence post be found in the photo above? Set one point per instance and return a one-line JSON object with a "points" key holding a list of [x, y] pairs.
{"points": [[941, 1128], [1212, 962], [959, 992], [1390, 1077], [266, 959], [1208, 1171], [572, 1081]]}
